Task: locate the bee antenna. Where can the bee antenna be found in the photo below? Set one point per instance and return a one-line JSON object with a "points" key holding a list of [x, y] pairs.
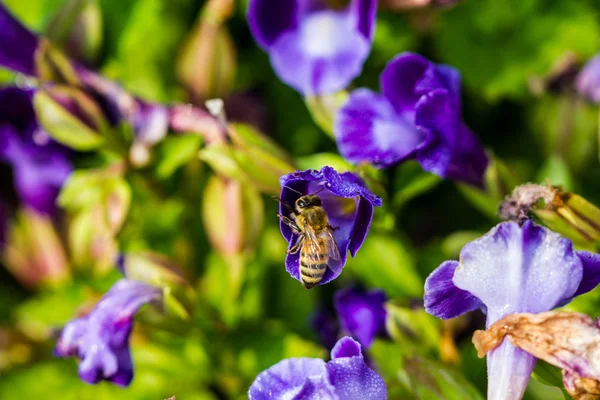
{"points": [[293, 190], [320, 190]]}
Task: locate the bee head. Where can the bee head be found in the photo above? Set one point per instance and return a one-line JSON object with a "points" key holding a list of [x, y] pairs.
{"points": [[308, 201]]}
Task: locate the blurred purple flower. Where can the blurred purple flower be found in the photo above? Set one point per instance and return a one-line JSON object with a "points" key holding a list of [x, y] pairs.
{"points": [[418, 115], [587, 82], [512, 269], [101, 338], [325, 323], [313, 48], [40, 165], [362, 314], [17, 44], [349, 206], [345, 377]]}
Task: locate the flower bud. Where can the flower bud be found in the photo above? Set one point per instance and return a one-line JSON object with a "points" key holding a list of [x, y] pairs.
{"points": [[71, 117], [207, 61], [233, 215], [77, 30], [324, 108], [33, 252], [566, 213], [99, 201]]}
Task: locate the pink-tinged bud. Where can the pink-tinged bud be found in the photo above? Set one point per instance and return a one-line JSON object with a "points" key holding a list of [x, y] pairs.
{"points": [[207, 62], [77, 30], [33, 252], [71, 117], [233, 215], [98, 201]]}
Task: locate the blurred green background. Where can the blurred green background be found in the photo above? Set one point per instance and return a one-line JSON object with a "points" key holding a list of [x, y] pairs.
{"points": [[248, 313]]}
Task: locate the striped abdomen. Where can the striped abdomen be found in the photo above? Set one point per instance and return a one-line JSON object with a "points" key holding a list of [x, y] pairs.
{"points": [[313, 263]]}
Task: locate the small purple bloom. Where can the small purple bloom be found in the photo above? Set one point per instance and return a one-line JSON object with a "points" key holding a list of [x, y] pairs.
{"points": [[349, 206], [325, 323], [587, 82], [417, 115], [511, 269], [101, 338], [313, 48], [40, 165], [345, 377], [362, 314]]}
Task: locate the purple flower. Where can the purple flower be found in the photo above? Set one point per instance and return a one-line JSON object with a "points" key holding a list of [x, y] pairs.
{"points": [[587, 82], [40, 165], [362, 314], [325, 323], [417, 115], [313, 48], [17, 44], [512, 269], [101, 338], [345, 377], [349, 207]]}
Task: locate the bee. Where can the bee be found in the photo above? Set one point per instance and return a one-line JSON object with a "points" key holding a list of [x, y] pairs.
{"points": [[314, 241]]}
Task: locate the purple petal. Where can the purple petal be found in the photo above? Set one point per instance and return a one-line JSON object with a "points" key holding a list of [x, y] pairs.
{"points": [[362, 314], [442, 298], [101, 338], [409, 76], [364, 12], [351, 218], [515, 269], [368, 129], [268, 19], [453, 151], [351, 376], [588, 80], [325, 323], [591, 272], [322, 55], [17, 44], [286, 379]]}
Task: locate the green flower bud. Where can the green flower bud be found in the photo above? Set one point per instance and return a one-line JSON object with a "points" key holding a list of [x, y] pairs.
{"points": [[323, 109], [71, 117], [33, 252], [77, 30], [233, 215], [207, 62]]}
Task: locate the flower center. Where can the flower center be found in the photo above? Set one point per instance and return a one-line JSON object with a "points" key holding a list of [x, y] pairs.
{"points": [[324, 33]]}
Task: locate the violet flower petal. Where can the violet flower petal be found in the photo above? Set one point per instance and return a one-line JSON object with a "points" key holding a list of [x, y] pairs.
{"points": [[368, 129], [17, 44], [516, 269], [101, 338], [362, 314], [351, 376], [352, 221], [587, 82], [323, 55], [591, 272], [345, 377], [314, 49], [453, 151], [443, 299]]}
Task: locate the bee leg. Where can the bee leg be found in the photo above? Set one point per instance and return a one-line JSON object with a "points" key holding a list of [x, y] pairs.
{"points": [[332, 228], [292, 224], [297, 245]]}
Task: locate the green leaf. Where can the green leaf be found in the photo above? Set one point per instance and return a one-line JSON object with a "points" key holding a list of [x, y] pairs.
{"points": [[174, 152], [319, 160], [513, 40], [411, 181], [385, 262]]}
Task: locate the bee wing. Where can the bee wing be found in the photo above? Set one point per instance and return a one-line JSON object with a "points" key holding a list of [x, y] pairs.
{"points": [[310, 240], [334, 252]]}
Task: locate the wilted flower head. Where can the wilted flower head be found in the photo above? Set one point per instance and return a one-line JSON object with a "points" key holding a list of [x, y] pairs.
{"points": [[568, 340], [313, 48], [345, 377], [417, 115], [588, 80], [101, 338], [349, 207], [40, 165], [362, 314], [512, 269]]}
